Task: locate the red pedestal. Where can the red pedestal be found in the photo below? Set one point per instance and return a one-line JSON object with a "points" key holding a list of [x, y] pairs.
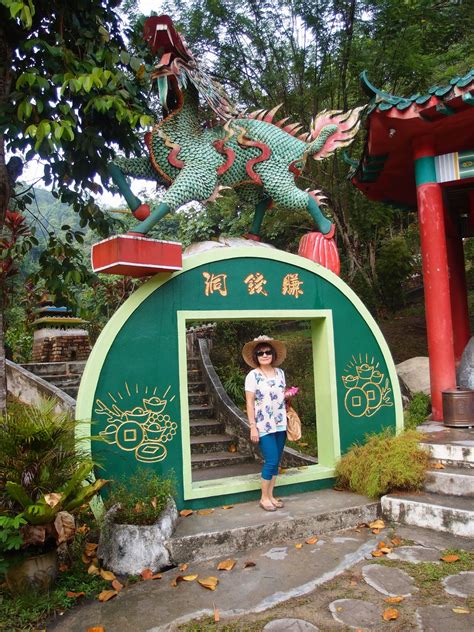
{"points": [[136, 256]]}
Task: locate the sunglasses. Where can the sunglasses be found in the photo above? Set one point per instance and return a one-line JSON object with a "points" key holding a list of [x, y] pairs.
{"points": [[268, 352]]}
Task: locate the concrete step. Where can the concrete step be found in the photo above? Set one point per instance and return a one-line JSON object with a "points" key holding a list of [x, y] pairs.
{"points": [[201, 412], [194, 375], [196, 387], [229, 471], [452, 481], [193, 362], [247, 526], [200, 397], [453, 447], [206, 444], [432, 511], [62, 380], [55, 368], [201, 427], [71, 390], [218, 459]]}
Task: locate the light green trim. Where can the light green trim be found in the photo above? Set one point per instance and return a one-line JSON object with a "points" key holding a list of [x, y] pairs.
{"points": [[425, 170], [102, 346], [325, 389]]}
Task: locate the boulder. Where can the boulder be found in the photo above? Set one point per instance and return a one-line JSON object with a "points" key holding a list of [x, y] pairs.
{"points": [[466, 368], [415, 373], [127, 549]]}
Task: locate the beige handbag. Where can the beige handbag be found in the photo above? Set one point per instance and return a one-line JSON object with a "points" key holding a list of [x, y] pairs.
{"points": [[293, 424]]}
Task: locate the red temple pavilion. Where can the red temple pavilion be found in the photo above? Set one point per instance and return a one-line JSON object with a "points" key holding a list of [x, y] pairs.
{"points": [[419, 154]]}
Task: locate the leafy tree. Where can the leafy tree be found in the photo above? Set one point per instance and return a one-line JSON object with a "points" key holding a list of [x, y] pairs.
{"points": [[69, 91]]}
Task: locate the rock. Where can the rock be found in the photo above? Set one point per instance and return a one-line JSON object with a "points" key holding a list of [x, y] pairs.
{"points": [[356, 613], [442, 618], [389, 581], [290, 625], [127, 549], [406, 394], [415, 373], [414, 554], [460, 585], [466, 367]]}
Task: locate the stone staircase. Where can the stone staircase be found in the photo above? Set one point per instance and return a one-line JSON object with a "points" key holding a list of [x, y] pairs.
{"points": [[214, 454], [447, 502], [64, 375]]}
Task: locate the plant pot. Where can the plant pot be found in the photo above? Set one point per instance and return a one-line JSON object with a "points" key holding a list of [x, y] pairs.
{"points": [[32, 574]]}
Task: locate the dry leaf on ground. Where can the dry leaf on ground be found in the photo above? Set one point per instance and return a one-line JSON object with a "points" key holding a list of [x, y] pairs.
{"points": [[209, 582], [461, 610], [90, 549], [249, 564], [437, 466], [397, 599], [189, 578], [232, 448], [381, 544], [377, 524], [63, 568], [146, 573], [396, 541], [75, 595], [186, 512], [390, 614], [93, 570], [375, 531], [217, 617], [227, 506], [156, 576], [183, 567], [177, 580], [83, 529], [226, 565], [205, 512], [106, 595], [449, 558], [116, 585], [385, 550], [312, 540], [298, 545], [377, 553], [107, 575], [97, 628]]}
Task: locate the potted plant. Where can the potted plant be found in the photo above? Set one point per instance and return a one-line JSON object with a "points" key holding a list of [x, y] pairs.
{"points": [[42, 473], [140, 519]]}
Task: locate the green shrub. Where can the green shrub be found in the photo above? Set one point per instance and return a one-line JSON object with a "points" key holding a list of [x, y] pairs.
{"points": [[384, 464], [417, 411], [142, 498]]}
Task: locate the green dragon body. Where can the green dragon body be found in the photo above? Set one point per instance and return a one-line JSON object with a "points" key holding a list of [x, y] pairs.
{"points": [[256, 156]]}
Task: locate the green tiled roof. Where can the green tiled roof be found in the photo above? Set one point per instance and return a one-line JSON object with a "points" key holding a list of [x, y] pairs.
{"points": [[383, 101]]}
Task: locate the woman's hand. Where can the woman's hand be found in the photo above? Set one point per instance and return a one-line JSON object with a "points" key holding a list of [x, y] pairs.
{"points": [[254, 434]]}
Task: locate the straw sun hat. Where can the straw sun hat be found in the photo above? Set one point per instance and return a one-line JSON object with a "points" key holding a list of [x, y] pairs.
{"points": [[278, 346]]}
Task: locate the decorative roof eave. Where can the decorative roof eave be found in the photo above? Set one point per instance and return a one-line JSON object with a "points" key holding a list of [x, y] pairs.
{"points": [[439, 101], [59, 320]]}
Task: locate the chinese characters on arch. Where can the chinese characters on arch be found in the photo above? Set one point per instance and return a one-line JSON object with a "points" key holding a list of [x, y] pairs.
{"points": [[291, 284]]}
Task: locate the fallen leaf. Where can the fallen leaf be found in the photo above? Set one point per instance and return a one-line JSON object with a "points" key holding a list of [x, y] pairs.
{"points": [[153, 502], [116, 585], [185, 512], [249, 564], [390, 614], [209, 582], [97, 628], [157, 576], [93, 570], [362, 524], [394, 599], [177, 580], [298, 545], [385, 550], [377, 524], [303, 445], [205, 512], [52, 499], [377, 553], [183, 567], [437, 466], [461, 610], [312, 540], [65, 527], [105, 595], [396, 541], [375, 531], [146, 573], [226, 565], [449, 558], [216, 614], [189, 578], [227, 506], [86, 559], [107, 575], [232, 448], [75, 595], [63, 568], [353, 582], [381, 544], [83, 529], [90, 549]]}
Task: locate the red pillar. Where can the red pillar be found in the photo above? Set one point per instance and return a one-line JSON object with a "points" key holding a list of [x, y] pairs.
{"points": [[458, 288], [435, 274]]}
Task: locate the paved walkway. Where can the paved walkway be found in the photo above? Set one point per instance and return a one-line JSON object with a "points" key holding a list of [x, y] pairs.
{"points": [[326, 582]]}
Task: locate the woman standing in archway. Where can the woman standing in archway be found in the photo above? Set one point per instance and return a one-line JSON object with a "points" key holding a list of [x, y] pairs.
{"points": [[265, 396]]}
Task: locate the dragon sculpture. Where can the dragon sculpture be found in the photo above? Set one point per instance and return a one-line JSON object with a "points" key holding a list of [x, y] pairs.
{"points": [[253, 154]]}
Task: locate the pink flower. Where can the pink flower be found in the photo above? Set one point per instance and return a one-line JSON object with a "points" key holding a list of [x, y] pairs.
{"points": [[291, 392]]}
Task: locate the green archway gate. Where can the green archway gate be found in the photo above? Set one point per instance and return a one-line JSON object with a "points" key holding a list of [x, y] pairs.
{"points": [[134, 387]]}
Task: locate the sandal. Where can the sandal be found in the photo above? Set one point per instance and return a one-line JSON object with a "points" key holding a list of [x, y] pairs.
{"points": [[278, 504], [266, 507]]}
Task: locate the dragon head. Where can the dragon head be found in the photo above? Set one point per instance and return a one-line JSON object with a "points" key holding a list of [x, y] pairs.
{"points": [[177, 69]]}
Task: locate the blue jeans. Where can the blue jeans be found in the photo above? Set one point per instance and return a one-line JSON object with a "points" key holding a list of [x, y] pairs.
{"points": [[271, 446]]}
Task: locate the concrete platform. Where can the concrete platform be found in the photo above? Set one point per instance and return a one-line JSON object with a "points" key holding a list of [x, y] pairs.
{"points": [[453, 481], [227, 531]]}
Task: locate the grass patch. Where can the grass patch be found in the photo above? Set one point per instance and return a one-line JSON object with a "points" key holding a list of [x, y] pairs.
{"points": [[384, 464], [417, 411]]}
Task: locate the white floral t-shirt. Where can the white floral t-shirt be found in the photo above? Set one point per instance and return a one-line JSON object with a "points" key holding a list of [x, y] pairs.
{"points": [[270, 411]]}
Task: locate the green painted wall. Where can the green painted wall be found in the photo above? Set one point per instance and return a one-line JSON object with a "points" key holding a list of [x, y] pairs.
{"points": [[131, 385]]}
